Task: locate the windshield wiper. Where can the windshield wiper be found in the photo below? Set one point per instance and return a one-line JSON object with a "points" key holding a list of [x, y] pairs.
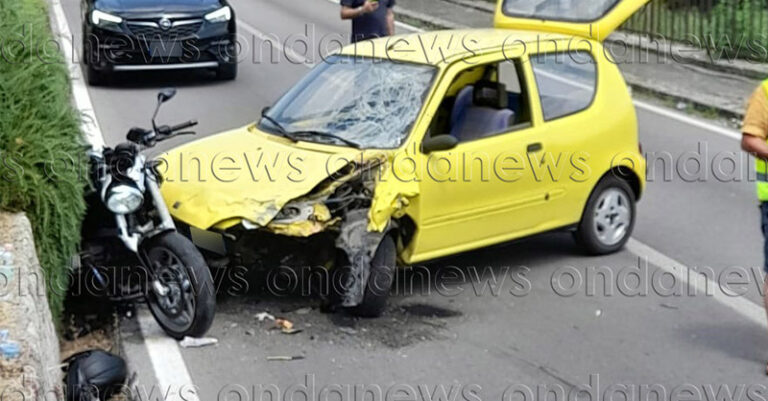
{"points": [[325, 135], [280, 127]]}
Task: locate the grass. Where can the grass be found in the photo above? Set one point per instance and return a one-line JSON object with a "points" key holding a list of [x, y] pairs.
{"points": [[42, 163]]}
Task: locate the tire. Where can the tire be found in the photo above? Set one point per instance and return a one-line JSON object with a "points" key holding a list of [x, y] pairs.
{"points": [[380, 280], [94, 77], [174, 258], [227, 72], [609, 217]]}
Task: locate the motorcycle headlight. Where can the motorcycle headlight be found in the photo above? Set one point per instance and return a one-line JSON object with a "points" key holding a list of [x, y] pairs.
{"points": [[124, 199], [100, 18], [223, 14]]}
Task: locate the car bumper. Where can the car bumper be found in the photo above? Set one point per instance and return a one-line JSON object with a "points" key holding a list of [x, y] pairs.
{"points": [[113, 51]]}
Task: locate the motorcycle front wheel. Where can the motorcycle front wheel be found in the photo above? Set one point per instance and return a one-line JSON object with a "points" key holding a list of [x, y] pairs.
{"points": [[181, 296]]}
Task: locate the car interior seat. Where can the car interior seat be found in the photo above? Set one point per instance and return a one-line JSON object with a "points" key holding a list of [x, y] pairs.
{"points": [[481, 109]]}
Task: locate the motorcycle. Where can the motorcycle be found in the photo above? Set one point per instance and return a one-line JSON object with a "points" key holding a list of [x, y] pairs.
{"points": [[131, 248]]}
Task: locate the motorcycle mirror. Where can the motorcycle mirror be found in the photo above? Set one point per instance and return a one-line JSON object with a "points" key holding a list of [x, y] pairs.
{"points": [[166, 95], [162, 97]]}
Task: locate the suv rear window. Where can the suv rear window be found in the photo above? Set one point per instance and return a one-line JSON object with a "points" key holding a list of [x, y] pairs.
{"points": [[567, 82], [559, 10]]}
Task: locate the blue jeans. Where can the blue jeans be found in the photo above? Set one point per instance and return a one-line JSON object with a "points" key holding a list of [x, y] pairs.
{"points": [[764, 222]]}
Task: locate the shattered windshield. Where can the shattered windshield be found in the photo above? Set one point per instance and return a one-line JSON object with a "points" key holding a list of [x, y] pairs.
{"points": [[560, 10], [365, 103]]}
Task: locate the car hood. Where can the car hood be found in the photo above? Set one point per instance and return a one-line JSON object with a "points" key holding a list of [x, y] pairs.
{"points": [[244, 174], [153, 8]]}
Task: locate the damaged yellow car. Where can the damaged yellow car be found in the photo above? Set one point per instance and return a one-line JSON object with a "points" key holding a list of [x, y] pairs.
{"points": [[416, 147]]}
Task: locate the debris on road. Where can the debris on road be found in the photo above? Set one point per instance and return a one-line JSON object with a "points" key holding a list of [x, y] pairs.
{"points": [[347, 330], [285, 358], [189, 342], [286, 326], [598, 312], [303, 311], [262, 316]]}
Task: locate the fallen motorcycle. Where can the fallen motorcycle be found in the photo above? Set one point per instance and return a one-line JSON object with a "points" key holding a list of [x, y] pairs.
{"points": [[131, 248]]}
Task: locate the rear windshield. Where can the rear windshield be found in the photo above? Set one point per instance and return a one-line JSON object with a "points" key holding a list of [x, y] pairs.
{"points": [[559, 10]]}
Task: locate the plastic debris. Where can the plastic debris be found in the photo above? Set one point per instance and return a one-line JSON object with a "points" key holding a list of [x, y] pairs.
{"points": [[262, 316], [189, 342], [285, 358], [599, 312], [8, 349], [286, 326]]}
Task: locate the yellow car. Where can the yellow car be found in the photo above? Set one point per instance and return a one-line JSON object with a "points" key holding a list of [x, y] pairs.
{"points": [[406, 149]]}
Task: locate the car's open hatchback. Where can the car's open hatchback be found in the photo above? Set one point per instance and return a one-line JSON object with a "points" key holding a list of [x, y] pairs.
{"points": [[593, 19]]}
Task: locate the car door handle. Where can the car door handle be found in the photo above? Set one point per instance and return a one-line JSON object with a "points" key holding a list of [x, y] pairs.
{"points": [[535, 147]]}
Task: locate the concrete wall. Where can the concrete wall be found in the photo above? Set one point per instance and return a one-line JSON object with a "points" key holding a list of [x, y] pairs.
{"points": [[35, 374]]}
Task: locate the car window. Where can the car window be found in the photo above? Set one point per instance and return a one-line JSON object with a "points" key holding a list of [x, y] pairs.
{"points": [[559, 10], [566, 81], [484, 101], [508, 76], [371, 103]]}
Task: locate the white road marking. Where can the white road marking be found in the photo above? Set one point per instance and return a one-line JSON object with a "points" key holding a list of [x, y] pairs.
{"points": [[90, 124], [698, 282], [726, 132], [170, 371]]}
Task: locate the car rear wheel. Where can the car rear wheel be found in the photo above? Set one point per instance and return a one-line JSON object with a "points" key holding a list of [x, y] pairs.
{"points": [[609, 217]]}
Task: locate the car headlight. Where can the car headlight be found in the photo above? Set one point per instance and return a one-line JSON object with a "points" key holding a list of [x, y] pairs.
{"points": [[100, 18], [124, 199], [223, 14]]}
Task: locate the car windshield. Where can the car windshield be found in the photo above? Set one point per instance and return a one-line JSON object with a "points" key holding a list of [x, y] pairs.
{"points": [[559, 10], [366, 103]]}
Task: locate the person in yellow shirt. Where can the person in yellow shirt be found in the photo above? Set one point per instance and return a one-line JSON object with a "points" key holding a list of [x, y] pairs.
{"points": [[755, 141]]}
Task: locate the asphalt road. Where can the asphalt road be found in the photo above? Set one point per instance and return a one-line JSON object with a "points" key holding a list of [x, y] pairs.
{"points": [[481, 344]]}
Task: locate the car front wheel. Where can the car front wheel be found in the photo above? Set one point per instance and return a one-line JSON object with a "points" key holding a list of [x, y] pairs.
{"points": [[380, 280], [609, 217]]}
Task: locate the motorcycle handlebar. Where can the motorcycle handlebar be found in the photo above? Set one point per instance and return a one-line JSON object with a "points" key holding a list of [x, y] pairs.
{"points": [[183, 126]]}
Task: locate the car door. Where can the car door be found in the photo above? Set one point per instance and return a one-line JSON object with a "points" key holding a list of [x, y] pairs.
{"points": [[593, 19], [572, 133], [483, 191]]}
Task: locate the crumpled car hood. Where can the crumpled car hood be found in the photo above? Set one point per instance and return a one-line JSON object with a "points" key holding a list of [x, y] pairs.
{"points": [[243, 174]]}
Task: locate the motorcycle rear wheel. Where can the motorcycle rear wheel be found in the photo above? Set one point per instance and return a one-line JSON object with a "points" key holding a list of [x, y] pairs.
{"points": [[182, 297]]}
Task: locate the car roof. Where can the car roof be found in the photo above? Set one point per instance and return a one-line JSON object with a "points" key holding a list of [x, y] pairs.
{"points": [[444, 47]]}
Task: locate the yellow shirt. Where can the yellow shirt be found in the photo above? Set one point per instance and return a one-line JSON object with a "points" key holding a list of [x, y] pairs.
{"points": [[756, 118]]}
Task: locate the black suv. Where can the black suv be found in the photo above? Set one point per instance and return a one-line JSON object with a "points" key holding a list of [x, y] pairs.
{"points": [[147, 35]]}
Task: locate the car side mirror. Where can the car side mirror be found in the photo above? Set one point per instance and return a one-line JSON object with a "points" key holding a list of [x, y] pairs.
{"points": [[166, 95], [439, 143]]}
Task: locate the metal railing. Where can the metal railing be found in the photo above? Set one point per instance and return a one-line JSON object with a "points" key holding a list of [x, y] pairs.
{"points": [[732, 28]]}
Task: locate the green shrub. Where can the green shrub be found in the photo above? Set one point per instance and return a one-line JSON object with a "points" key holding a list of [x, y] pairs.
{"points": [[42, 160]]}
